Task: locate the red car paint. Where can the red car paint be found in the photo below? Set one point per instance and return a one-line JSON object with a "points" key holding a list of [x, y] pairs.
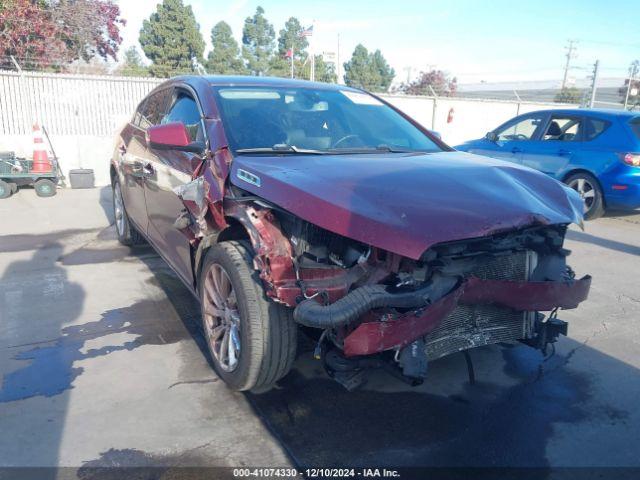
{"points": [[399, 204], [407, 204]]}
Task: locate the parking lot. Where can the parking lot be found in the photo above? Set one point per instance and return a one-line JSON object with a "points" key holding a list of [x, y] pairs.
{"points": [[102, 364]]}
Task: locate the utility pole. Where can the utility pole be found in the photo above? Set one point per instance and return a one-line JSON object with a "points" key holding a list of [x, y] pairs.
{"points": [[338, 60], [594, 82], [570, 49], [292, 54], [633, 71], [408, 70]]}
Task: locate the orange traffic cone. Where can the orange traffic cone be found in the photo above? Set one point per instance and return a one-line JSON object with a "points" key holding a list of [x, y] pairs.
{"points": [[41, 162]]}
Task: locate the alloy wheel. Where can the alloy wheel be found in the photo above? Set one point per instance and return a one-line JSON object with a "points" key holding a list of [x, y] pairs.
{"points": [[586, 190], [221, 318]]}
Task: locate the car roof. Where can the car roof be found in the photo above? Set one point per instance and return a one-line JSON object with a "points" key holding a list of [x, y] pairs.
{"points": [[254, 81], [595, 112]]}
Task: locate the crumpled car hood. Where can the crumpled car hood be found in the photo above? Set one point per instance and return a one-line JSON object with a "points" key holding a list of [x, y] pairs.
{"points": [[405, 203]]}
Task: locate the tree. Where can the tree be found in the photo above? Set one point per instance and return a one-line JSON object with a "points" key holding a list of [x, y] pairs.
{"points": [[568, 95], [133, 65], [91, 27], [50, 34], [368, 70], [289, 38], [439, 81], [325, 72], [171, 39], [258, 38], [225, 56], [382, 68]]}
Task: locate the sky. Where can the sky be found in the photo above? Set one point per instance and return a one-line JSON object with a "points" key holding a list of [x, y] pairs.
{"points": [[475, 41]]}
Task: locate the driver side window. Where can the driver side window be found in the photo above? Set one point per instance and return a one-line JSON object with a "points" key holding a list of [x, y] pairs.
{"points": [[520, 130]]}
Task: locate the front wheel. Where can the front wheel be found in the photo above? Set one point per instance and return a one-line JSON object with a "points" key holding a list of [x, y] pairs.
{"points": [[251, 339], [590, 192]]}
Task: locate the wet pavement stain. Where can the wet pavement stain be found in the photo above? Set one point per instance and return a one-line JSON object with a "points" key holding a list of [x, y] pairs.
{"points": [[132, 463], [487, 425], [50, 370]]}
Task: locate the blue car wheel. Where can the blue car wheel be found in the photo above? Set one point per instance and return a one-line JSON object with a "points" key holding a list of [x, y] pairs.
{"points": [[589, 189]]}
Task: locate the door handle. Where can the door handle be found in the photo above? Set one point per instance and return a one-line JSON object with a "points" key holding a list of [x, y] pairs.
{"points": [[563, 152], [136, 166], [516, 150], [148, 170]]}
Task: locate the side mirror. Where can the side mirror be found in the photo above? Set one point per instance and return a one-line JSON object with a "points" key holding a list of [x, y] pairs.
{"points": [[436, 134], [491, 136], [173, 136]]}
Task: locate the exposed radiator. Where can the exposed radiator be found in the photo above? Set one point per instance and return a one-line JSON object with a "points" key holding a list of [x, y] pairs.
{"points": [[476, 325]]}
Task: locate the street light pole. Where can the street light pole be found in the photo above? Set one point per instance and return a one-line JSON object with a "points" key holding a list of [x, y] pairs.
{"points": [[633, 72], [594, 83]]}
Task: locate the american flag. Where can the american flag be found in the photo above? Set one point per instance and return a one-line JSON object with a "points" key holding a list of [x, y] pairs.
{"points": [[307, 32]]}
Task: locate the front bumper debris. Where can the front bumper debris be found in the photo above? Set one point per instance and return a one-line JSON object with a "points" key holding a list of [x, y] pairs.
{"points": [[373, 337]]}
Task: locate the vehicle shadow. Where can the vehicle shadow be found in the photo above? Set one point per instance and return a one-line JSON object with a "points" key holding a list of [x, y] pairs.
{"points": [[106, 202], [507, 419], [37, 355], [603, 242]]}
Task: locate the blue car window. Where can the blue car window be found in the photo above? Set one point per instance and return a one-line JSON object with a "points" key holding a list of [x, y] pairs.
{"points": [[563, 129], [594, 127], [520, 129]]}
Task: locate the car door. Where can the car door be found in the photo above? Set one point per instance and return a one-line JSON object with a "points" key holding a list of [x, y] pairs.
{"points": [[509, 139], [558, 143], [133, 154], [169, 169]]}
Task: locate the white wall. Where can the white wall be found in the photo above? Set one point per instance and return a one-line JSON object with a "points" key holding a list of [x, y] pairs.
{"points": [[83, 115]]}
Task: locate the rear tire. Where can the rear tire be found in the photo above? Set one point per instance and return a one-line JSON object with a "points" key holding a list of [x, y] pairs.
{"points": [[5, 189], [265, 331], [589, 189], [127, 234], [45, 187]]}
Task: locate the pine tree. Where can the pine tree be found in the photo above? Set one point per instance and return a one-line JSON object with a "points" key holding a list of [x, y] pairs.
{"points": [[133, 65], [258, 38], [384, 71], [225, 57], [289, 37], [369, 71], [171, 39]]}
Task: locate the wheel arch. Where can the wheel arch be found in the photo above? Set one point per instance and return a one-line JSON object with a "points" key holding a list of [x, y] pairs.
{"points": [[235, 231]]}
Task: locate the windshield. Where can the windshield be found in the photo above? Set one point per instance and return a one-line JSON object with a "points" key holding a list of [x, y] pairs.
{"points": [[305, 120]]}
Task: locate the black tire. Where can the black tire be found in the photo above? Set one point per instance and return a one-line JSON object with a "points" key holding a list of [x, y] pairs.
{"points": [[14, 187], [589, 189], [45, 187], [268, 334], [127, 233], [5, 189]]}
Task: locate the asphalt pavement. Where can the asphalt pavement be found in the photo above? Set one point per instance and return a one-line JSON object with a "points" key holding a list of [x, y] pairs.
{"points": [[102, 364]]}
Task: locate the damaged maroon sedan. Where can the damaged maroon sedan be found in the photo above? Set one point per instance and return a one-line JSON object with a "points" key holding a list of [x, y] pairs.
{"points": [[286, 204]]}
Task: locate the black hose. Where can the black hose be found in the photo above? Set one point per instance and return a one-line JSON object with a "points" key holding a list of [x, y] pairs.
{"points": [[356, 303]]}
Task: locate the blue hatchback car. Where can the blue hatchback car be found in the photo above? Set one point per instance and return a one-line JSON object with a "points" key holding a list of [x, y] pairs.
{"points": [[596, 152]]}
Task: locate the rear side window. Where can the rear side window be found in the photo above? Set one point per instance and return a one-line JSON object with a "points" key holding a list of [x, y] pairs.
{"points": [[635, 126], [593, 127], [153, 109]]}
